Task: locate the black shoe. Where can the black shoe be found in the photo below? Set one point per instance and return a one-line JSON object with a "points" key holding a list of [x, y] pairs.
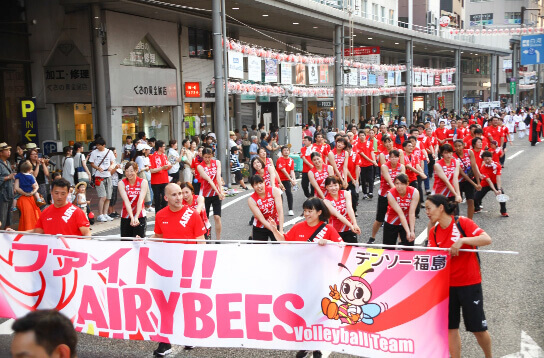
{"points": [[251, 221], [188, 348], [370, 196], [371, 240], [301, 354], [246, 188], [163, 349], [318, 354]]}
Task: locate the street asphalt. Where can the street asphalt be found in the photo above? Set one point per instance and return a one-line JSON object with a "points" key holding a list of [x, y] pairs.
{"points": [[513, 284]]}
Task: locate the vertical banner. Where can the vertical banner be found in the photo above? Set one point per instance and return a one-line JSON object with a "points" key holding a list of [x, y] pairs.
{"points": [[353, 77], [390, 78], [254, 68], [450, 78], [300, 70], [286, 73], [236, 65], [323, 74], [437, 80], [424, 79], [398, 78], [372, 79], [367, 302], [313, 75], [364, 78], [270, 70], [29, 120], [444, 79], [381, 80], [417, 78]]}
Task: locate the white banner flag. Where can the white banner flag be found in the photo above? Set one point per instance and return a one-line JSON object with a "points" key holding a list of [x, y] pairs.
{"points": [[254, 68], [236, 65]]}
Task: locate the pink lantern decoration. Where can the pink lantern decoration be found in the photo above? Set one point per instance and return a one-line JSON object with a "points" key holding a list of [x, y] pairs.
{"points": [[456, 31], [501, 31], [451, 32], [524, 31], [477, 31], [462, 31], [495, 31], [530, 30], [518, 31]]}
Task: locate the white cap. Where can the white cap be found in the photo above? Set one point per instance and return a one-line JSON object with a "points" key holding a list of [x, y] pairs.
{"points": [[142, 146]]}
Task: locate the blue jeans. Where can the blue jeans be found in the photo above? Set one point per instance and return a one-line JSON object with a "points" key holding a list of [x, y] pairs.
{"points": [[426, 171]]}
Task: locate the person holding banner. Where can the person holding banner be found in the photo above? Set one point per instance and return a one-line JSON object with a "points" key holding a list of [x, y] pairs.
{"points": [[73, 219], [465, 279], [133, 191], [177, 221], [196, 202], [265, 203]]}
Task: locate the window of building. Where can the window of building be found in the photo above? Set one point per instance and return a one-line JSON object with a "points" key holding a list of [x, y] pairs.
{"points": [[365, 8], [512, 17], [391, 17], [375, 15], [153, 120], [74, 123], [383, 13], [200, 43]]}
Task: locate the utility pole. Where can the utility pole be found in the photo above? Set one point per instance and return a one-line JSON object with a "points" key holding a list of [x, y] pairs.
{"points": [[219, 90]]}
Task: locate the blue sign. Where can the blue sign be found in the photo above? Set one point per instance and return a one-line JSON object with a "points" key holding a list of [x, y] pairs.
{"points": [[371, 79], [532, 49], [51, 146], [29, 120]]}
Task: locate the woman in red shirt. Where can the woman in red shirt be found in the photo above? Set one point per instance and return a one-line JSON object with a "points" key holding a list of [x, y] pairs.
{"points": [[159, 166], [314, 228], [400, 219], [194, 165], [337, 158], [269, 163], [132, 191], [265, 204], [318, 174], [195, 202], [211, 187], [465, 278], [341, 202], [446, 181], [264, 171]]}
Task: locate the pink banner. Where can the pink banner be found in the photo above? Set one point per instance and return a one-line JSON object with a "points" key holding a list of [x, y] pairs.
{"points": [[370, 302]]}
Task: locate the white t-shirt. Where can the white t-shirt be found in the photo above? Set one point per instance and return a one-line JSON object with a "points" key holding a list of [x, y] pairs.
{"points": [[96, 158], [173, 155], [140, 160], [68, 170]]}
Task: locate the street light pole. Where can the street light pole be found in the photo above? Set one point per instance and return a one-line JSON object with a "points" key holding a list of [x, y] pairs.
{"points": [[219, 90]]}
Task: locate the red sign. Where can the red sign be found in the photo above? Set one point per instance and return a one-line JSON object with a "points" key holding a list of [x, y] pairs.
{"points": [[192, 89], [437, 80], [361, 51]]}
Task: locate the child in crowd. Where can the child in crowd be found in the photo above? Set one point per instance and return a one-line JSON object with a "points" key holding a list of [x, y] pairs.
{"points": [[27, 183], [81, 197], [236, 168]]}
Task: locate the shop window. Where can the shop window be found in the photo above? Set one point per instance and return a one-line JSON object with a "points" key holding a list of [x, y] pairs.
{"points": [[198, 118], [74, 123], [145, 54], [155, 121], [200, 43]]}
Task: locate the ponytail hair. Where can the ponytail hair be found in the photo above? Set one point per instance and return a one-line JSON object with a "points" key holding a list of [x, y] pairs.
{"points": [[438, 200], [317, 205]]}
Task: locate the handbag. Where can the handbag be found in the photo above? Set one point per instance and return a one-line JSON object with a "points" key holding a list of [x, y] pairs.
{"points": [[80, 173]]}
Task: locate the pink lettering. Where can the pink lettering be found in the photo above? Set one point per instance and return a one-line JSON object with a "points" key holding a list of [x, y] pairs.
{"points": [[167, 309], [287, 316], [144, 262], [225, 315], [191, 315], [73, 260], [253, 317], [114, 309], [133, 313], [90, 309], [112, 264], [40, 260]]}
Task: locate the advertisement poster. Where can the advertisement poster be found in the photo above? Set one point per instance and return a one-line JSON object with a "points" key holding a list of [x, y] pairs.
{"points": [[371, 79], [300, 70], [254, 68], [313, 75], [323, 73], [270, 70], [236, 65], [364, 78], [286, 74]]}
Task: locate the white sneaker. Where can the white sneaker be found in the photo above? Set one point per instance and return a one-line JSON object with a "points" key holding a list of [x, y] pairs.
{"points": [[108, 218], [291, 213], [101, 218], [150, 210]]}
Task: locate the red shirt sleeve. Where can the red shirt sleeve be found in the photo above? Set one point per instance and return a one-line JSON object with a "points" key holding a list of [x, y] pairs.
{"points": [[158, 219], [469, 227], [197, 225], [39, 223], [332, 234]]}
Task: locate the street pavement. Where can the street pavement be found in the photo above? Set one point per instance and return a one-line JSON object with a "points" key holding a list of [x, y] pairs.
{"points": [[512, 284]]}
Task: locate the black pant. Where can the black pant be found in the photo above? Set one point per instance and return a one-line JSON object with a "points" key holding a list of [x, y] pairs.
{"points": [[196, 186], [348, 236], [417, 184], [175, 177], [306, 186], [354, 196], [128, 230], [262, 234], [481, 194], [430, 166], [158, 196], [288, 193], [367, 179], [391, 234]]}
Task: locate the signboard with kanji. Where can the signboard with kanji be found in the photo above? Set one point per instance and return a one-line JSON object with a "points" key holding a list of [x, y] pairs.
{"points": [[192, 89], [367, 54], [532, 49]]}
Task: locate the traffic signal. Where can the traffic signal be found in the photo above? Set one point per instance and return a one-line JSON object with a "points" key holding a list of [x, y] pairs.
{"points": [[478, 70]]}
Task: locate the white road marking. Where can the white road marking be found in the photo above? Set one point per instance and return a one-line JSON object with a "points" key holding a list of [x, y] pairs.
{"points": [[515, 155], [421, 237], [529, 348], [5, 328], [293, 221]]}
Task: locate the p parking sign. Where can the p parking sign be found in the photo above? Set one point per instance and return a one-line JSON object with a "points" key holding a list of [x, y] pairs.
{"points": [[29, 120]]}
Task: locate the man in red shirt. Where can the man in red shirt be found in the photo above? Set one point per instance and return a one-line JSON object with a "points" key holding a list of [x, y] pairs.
{"points": [[322, 147], [62, 218], [177, 221], [285, 166], [494, 132], [400, 137], [365, 149], [441, 133], [159, 166]]}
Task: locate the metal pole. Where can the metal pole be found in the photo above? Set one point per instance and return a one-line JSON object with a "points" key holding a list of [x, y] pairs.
{"points": [[457, 92], [515, 68], [410, 13], [225, 73], [409, 94], [99, 74], [338, 78], [493, 77], [459, 81], [219, 90]]}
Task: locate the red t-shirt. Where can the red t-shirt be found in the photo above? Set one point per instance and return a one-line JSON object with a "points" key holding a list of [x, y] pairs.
{"points": [[65, 220], [497, 154], [413, 160], [194, 165], [404, 202], [465, 268], [203, 215], [464, 162], [384, 185], [284, 163], [324, 149], [266, 205], [340, 206], [493, 132], [339, 159], [468, 141], [158, 160], [439, 186], [490, 171], [320, 176], [354, 160], [306, 152], [182, 224], [478, 157], [366, 148], [441, 134], [302, 232]]}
